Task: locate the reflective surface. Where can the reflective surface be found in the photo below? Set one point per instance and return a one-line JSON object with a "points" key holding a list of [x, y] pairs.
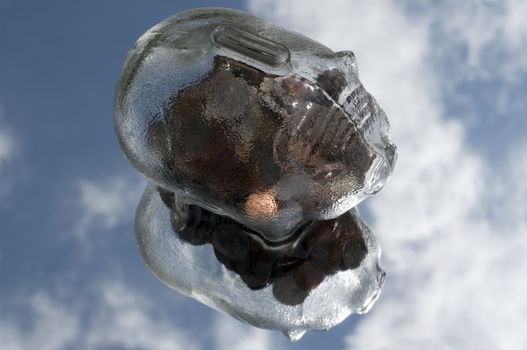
{"points": [[258, 141], [316, 294], [316, 250]]}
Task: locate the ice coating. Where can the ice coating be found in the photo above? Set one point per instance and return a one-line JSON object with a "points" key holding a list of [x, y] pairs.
{"points": [[258, 142], [306, 131]]}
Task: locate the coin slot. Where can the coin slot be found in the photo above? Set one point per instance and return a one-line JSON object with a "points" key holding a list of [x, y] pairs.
{"points": [[251, 45]]}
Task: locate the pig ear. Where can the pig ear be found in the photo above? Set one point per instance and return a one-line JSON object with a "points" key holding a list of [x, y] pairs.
{"points": [[346, 60]]}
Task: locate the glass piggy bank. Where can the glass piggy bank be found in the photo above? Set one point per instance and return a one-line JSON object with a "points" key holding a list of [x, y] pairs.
{"points": [[258, 143]]}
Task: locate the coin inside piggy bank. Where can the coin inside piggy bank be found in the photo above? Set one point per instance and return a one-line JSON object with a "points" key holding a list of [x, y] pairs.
{"points": [[259, 143]]}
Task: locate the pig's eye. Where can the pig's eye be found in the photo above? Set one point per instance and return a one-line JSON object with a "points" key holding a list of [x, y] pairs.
{"points": [[258, 143], [333, 82]]}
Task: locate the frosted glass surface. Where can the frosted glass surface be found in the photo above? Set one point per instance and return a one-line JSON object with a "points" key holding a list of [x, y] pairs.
{"points": [[258, 143]]}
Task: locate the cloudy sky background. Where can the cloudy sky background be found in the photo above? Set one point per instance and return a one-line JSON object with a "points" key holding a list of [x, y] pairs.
{"points": [[452, 77]]}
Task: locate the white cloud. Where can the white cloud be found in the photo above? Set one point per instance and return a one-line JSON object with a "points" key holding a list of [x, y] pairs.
{"points": [[454, 261], [119, 317], [105, 204], [125, 319], [53, 327], [494, 34], [7, 152], [6, 147], [230, 334]]}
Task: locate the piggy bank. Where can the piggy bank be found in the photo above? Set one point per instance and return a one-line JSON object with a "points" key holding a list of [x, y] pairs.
{"points": [[259, 143]]}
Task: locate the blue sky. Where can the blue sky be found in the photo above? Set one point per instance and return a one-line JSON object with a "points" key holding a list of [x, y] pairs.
{"points": [[452, 222]]}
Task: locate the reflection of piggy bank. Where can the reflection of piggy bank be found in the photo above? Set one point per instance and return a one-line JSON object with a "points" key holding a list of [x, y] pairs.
{"points": [[254, 124]]}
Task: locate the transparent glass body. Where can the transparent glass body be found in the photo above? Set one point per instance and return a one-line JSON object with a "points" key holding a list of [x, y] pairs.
{"points": [[258, 142]]}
